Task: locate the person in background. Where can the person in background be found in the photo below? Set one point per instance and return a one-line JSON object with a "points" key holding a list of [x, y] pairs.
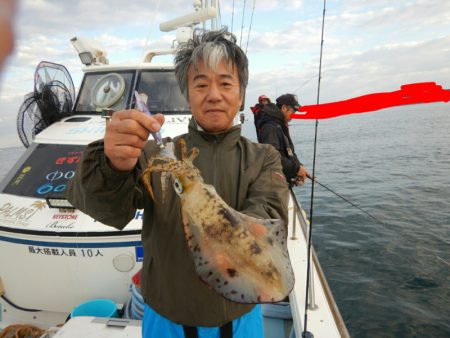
{"points": [[273, 128], [256, 109], [212, 72], [7, 14]]}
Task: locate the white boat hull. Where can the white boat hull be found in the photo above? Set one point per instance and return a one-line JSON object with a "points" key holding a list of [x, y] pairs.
{"points": [[67, 270]]}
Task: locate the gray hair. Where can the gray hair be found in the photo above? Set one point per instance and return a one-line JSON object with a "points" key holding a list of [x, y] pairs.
{"points": [[210, 47]]}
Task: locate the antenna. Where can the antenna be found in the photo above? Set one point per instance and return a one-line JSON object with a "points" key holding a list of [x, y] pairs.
{"points": [[184, 25], [193, 18]]}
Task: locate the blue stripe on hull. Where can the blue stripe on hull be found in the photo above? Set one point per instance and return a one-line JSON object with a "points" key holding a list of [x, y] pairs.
{"points": [[70, 245]]}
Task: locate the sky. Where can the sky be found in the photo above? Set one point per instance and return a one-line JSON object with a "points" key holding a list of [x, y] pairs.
{"points": [[369, 46]]}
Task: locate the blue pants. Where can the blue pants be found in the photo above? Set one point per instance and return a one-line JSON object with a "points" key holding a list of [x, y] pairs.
{"points": [[250, 325]]}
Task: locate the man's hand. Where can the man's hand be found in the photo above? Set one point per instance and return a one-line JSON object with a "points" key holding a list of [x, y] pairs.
{"points": [[302, 174], [126, 135]]}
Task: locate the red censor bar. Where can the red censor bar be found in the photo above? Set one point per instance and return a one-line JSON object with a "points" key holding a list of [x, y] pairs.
{"points": [[414, 93]]}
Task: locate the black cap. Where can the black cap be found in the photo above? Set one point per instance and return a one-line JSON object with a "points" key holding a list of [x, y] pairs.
{"points": [[288, 99]]}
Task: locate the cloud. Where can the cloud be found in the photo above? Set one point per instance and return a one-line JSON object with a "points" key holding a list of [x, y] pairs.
{"points": [[369, 46], [95, 15], [379, 69]]}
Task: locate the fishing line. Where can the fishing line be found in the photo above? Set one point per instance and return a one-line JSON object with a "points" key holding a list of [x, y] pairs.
{"points": [[305, 332], [443, 260], [345, 199]]}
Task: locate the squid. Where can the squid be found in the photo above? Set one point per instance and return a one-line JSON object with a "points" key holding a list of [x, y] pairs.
{"points": [[243, 258]]}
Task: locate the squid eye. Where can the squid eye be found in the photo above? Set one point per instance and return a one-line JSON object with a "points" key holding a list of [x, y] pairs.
{"points": [[178, 186]]}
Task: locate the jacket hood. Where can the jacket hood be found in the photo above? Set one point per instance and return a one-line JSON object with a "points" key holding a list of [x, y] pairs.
{"points": [[271, 111]]}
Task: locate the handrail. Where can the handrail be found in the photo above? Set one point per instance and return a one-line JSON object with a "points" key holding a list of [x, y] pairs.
{"points": [[298, 214], [297, 211]]}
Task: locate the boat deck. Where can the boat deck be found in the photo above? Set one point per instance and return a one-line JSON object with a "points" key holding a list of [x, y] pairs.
{"points": [[323, 317]]}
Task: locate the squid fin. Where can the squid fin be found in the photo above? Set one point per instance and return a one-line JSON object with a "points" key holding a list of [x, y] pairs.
{"points": [[219, 267]]}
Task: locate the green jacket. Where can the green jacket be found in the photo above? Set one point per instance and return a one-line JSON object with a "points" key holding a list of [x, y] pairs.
{"points": [[248, 176]]}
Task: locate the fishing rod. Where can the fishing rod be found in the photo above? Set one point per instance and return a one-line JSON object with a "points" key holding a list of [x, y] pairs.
{"points": [[306, 333], [345, 199]]}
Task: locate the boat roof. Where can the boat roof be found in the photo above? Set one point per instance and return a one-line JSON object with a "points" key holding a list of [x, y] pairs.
{"points": [[127, 66]]}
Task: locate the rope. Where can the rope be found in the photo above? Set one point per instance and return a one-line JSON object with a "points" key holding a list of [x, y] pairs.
{"points": [[232, 18], [242, 25], [21, 331], [17, 306], [250, 28], [152, 19], [308, 268], [219, 23]]}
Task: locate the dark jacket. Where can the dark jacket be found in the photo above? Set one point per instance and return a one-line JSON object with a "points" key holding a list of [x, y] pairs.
{"points": [[256, 110], [246, 175], [272, 129]]}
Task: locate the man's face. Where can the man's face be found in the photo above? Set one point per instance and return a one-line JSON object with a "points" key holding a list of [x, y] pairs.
{"points": [[287, 111], [7, 9], [214, 96]]}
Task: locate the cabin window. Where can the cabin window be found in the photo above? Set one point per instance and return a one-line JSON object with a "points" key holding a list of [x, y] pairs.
{"points": [[162, 92]]}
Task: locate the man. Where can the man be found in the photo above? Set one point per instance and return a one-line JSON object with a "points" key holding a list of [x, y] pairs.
{"points": [[256, 109], [273, 129], [212, 73]]}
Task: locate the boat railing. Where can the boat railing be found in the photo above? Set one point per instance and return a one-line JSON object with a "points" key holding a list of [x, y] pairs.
{"points": [[301, 227]]}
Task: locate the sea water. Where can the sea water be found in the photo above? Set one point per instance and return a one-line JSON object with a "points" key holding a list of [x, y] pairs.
{"points": [[389, 278]]}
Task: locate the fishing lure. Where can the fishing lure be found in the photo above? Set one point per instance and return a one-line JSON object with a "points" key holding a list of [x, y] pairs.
{"points": [[243, 258], [140, 105]]}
